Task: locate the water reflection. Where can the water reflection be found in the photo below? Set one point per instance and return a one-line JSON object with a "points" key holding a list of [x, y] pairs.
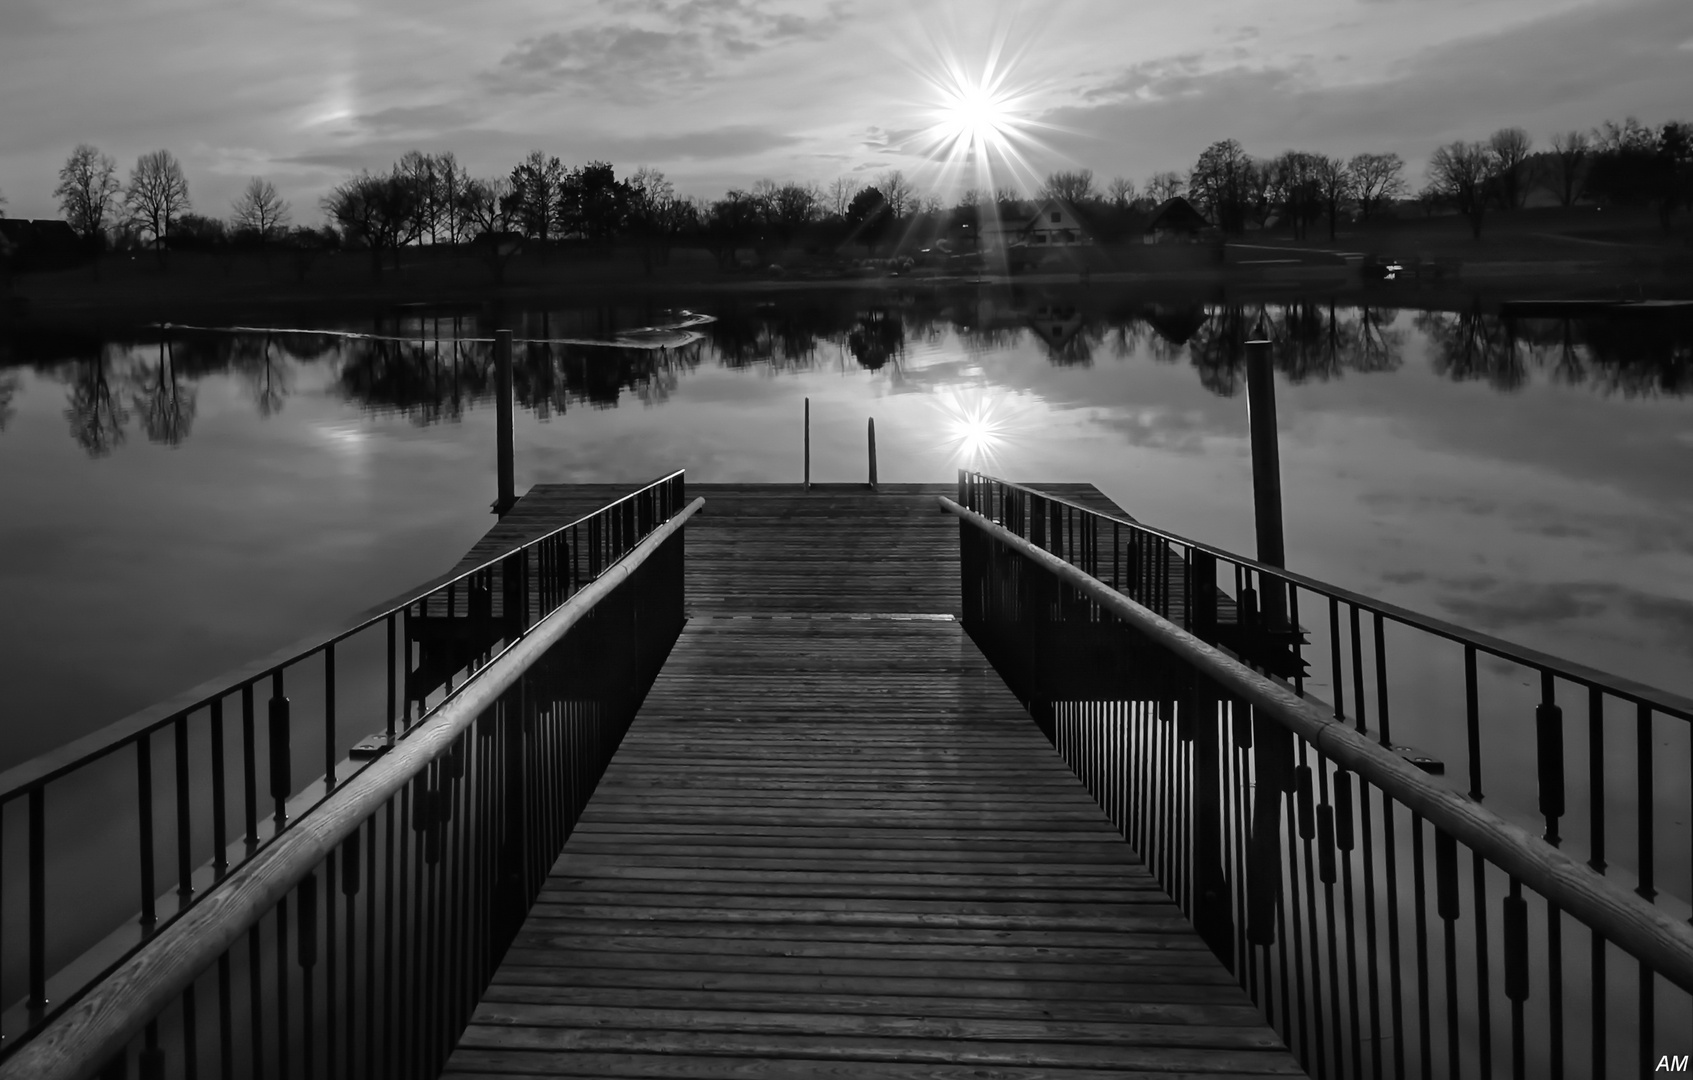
{"points": [[437, 375]]}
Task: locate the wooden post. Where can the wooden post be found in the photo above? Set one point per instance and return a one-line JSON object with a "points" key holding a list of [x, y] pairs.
{"points": [[1266, 455], [808, 444], [872, 453], [503, 421], [1266, 475]]}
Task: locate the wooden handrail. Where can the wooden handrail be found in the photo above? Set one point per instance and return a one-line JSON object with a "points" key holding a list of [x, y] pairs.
{"points": [[79, 1043], [1641, 694], [1652, 936]]}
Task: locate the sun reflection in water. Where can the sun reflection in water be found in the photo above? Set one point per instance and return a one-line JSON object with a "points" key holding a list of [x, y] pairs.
{"points": [[977, 427]]}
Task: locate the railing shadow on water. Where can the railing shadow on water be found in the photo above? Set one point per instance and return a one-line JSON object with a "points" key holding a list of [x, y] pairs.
{"points": [[1323, 867], [163, 812]]}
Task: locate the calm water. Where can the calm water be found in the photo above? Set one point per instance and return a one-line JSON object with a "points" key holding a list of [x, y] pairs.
{"points": [[179, 502]]}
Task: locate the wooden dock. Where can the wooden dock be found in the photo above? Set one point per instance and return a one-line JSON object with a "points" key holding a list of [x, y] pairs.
{"points": [[833, 844]]}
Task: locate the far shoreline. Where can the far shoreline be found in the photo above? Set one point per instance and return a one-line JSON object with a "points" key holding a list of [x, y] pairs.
{"points": [[194, 288]]}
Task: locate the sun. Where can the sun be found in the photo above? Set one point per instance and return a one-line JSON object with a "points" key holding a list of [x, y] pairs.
{"points": [[977, 115]]}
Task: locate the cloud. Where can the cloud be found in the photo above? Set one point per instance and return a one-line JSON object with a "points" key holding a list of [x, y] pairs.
{"points": [[1572, 68], [412, 118], [676, 47]]}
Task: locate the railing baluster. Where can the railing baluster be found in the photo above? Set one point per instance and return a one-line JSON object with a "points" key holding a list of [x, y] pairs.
{"points": [[220, 796], [144, 817], [329, 717], [249, 767], [184, 834], [281, 753], [37, 824], [1472, 721]]}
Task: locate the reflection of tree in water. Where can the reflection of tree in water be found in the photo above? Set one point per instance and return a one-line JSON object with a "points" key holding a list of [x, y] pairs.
{"points": [[427, 381], [1633, 357], [261, 359], [1471, 345], [877, 337], [1308, 341], [96, 414], [433, 381], [166, 406]]}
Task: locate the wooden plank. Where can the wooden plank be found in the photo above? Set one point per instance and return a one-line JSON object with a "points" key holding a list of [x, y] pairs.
{"points": [[833, 844]]}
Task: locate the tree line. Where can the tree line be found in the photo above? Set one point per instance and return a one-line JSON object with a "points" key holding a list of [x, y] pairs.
{"points": [[1628, 163], [431, 199]]}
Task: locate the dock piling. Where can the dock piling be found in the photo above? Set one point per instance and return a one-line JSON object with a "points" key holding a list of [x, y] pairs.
{"points": [[872, 453], [507, 496], [808, 444]]}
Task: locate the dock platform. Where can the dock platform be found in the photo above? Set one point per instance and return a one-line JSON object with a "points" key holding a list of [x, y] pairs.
{"points": [[834, 844]]}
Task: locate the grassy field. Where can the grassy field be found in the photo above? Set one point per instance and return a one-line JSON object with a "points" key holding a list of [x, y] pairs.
{"points": [[1529, 253]]}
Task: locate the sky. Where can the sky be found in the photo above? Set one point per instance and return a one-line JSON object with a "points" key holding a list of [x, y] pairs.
{"points": [[719, 93]]}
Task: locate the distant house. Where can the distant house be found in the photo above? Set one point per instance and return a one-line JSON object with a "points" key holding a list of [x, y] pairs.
{"points": [[45, 244], [1176, 221], [1054, 225]]}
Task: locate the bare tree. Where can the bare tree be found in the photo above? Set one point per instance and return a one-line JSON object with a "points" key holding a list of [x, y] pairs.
{"points": [[897, 192], [1511, 147], [2, 202], [418, 171], [1071, 187], [1121, 192], [1164, 186], [261, 212], [451, 183], [1570, 151], [1218, 183], [157, 195], [492, 212], [376, 210], [840, 195], [1377, 181], [1296, 189], [537, 183], [1461, 173], [88, 191], [1334, 187]]}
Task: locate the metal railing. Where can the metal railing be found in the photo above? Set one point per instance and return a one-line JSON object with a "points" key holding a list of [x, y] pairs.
{"points": [[156, 811], [359, 943], [1192, 716]]}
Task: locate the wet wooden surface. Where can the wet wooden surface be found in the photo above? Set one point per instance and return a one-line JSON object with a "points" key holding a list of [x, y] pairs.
{"points": [[834, 845]]}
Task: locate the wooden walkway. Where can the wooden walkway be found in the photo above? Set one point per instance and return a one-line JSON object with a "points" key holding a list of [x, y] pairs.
{"points": [[834, 845]]}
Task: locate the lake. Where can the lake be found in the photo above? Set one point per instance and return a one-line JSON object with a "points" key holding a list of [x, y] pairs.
{"points": [[180, 501]]}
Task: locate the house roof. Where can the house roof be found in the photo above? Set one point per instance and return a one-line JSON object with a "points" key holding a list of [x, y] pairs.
{"points": [[1177, 213]]}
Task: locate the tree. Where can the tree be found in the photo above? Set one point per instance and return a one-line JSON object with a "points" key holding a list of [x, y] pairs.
{"points": [[729, 224], [260, 212], [157, 195], [1164, 186], [1376, 181], [790, 208], [1296, 189], [535, 184], [1461, 174], [379, 211], [491, 213], [896, 192], [592, 202], [1261, 192], [1218, 183], [88, 192], [1071, 187], [840, 195], [1511, 147], [452, 181], [1635, 164], [655, 215], [1570, 150], [1334, 187], [869, 217], [1121, 192]]}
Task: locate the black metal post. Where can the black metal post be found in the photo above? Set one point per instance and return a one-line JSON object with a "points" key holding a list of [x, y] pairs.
{"points": [[808, 444], [872, 453], [503, 420]]}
